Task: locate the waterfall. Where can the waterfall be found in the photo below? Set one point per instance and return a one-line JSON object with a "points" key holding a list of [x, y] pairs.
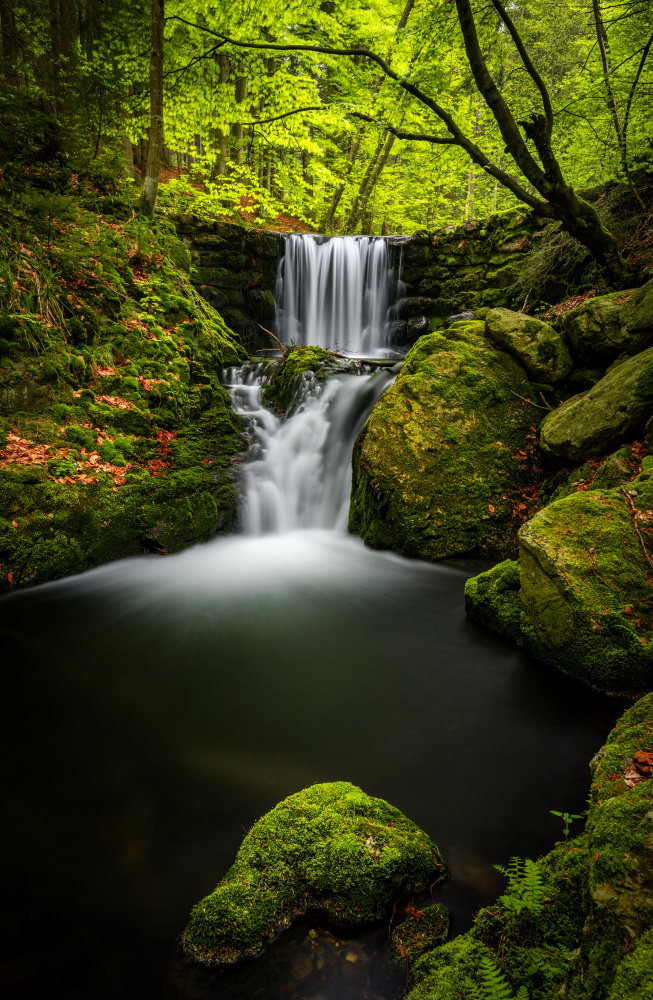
{"points": [[298, 473], [334, 292]]}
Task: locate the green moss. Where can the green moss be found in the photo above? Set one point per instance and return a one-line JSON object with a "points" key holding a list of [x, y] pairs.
{"points": [[492, 599], [281, 390], [329, 849], [419, 934], [445, 453], [586, 589], [634, 977]]}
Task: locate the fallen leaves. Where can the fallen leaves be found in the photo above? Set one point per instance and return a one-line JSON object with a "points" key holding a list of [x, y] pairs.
{"points": [[637, 768], [20, 451]]}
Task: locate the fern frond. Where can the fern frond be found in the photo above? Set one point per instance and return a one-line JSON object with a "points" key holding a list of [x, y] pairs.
{"points": [[522, 993], [493, 983]]}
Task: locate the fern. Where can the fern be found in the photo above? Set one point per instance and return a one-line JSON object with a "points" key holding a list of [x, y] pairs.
{"points": [[525, 886], [493, 984]]}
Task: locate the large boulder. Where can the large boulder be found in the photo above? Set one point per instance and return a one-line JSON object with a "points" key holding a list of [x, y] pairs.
{"points": [[329, 849], [602, 328], [442, 461], [586, 586], [589, 423], [541, 349]]}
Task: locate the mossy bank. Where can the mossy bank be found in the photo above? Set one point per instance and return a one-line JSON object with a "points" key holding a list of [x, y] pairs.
{"points": [[116, 434]]}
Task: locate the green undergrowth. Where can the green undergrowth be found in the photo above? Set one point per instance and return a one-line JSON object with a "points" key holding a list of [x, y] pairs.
{"points": [[329, 849], [584, 929], [117, 436]]}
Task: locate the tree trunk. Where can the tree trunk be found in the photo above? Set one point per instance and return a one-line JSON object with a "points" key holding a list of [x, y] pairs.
{"points": [[220, 135], [151, 183], [9, 44], [371, 177], [237, 131]]}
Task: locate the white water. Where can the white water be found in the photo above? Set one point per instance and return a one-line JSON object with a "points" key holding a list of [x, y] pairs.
{"points": [[334, 292], [299, 471]]}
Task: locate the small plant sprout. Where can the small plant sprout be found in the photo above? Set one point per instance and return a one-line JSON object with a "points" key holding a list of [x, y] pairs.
{"points": [[567, 820]]}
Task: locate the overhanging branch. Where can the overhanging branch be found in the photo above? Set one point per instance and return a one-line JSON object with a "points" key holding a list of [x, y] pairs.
{"points": [[400, 134]]}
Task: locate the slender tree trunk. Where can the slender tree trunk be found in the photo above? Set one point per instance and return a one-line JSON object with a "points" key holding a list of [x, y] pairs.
{"points": [[237, 131], [220, 135], [9, 43], [367, 186], [151, 183]]}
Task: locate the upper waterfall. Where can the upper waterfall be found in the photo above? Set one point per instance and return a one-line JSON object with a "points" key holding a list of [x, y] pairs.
{"points": [[334, 292]]}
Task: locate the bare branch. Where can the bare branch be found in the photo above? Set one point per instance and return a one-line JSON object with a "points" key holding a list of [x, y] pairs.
{"points": [[400, 134], [286, 114]]}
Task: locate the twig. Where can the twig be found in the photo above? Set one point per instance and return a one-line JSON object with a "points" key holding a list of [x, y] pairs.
{"points": [[273, 337], [633, 515], [530, 401]]}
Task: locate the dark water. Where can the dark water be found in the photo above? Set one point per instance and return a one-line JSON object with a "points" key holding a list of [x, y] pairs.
{"points": [[155, 708]]}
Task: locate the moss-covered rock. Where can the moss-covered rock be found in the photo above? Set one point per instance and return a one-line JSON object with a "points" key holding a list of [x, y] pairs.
{"points": [[586, 587], [588, 933], [602, 328], [118, 435], [540, 348], [329, 849], [445, 452], [420, 933], [283, 390], [492, 599], [589, 423]]}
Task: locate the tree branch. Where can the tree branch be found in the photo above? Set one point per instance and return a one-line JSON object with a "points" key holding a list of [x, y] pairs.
{"points": [[286, 114], [419, 137], [526, 59], [522, 157]]}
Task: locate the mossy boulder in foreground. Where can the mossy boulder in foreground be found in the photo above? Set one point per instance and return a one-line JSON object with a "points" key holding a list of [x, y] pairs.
{"points": [[587, 931], [541, 349], [329, 849], [444, 456]]}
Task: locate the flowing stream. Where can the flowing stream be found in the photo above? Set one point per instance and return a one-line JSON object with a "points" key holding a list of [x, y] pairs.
{"points": [[159, 706]]}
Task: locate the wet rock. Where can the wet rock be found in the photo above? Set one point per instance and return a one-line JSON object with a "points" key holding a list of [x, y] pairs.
{"points": [[492, 599], [414, 306], [539, 347], [463, 317], [416, 328], [329, 849], [282, 391], [589, 423], [438, 461]]}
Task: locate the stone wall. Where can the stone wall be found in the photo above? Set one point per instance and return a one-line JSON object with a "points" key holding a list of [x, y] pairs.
{"points": [[459, 269], [445, 272], [234, 268]]}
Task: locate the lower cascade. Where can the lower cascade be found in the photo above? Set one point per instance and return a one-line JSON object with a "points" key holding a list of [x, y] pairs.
{"points": [[298, 474]]}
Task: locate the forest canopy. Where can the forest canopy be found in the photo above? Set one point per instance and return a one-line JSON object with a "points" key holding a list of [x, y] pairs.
{"points": [[323, 136]]}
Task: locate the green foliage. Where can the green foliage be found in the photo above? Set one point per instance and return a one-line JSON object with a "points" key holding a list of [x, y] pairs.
{"points": [[492, 984], [525, 886], [567, 820]]}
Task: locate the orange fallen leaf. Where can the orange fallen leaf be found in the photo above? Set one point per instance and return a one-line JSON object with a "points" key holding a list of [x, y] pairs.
{"points": [[490, 508], [15, 524]]}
